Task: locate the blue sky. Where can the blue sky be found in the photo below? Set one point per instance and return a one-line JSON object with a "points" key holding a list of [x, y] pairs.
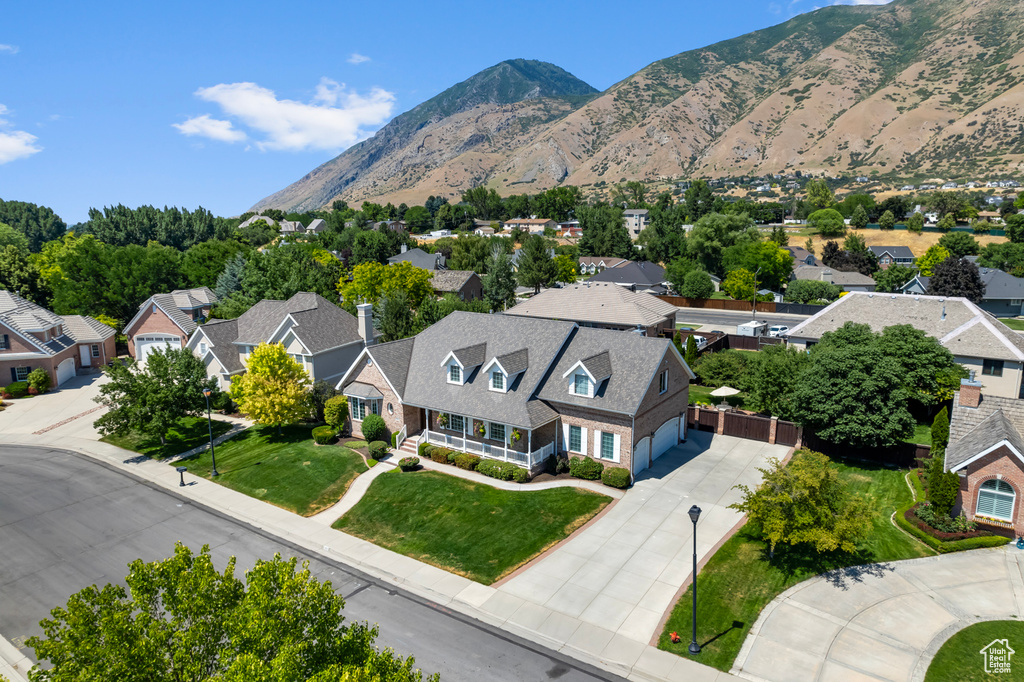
{"points": [[220, 103]]}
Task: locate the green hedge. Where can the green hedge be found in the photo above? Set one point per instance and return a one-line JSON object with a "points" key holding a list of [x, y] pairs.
{"points": [[378, 449], [374, 428], [394, 440], [324, 435], [408, 463], [935, 543], [584, 467], [503, 471], [19, 389], [616, 477], [520, 475], [467, 461], [439, 455], [425, 449]]}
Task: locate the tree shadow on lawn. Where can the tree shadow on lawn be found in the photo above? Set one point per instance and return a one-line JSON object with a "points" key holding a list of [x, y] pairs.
{"points": [[736, 625], [839, 569]]}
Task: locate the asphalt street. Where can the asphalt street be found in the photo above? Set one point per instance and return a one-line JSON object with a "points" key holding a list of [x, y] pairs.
{"points": [[67, 522], [728, 318]]}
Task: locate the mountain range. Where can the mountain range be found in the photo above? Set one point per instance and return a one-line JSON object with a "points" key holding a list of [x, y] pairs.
{"points": [[910, 89]]}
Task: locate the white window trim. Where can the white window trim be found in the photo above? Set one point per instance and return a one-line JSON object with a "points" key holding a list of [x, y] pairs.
{"points": [[17, 373], [490, 433], [616, 447], [462, 373], [591, 384], [504, 381], [366, 408], [95, 350], [566, 431], [1012, 495], [451, 423], [663, 375]]}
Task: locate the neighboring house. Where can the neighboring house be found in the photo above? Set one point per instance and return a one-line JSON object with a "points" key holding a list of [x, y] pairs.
{"points": [[801, 256], [636, 276], [535, 387], [976, 339], [167, 320], [635, 220], [531, 225], [484, 231], [419, 258], [317, 226], [31, 336], [322, 337], [847, 281], [986, 448], [393, 225], [601, 305], [465, 284], [258, 218], [1004, 293], [917, 286], [991, 216], [892, 255], [593, 264], [570, 228]]}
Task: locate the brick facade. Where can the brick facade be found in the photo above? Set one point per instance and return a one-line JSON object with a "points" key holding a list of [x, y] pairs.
{"points": [[1001, 464], [154, 323], [370, 374], [656, 408], [598, 420]]}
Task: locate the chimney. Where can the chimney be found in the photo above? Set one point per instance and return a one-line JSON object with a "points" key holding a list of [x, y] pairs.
{"points": [[404, 248], [366, 322], [970, 391]]}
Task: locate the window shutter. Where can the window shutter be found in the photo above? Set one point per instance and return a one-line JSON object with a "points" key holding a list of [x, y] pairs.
{"points": [[1003, 506], [617, 444], [583, 440], [597, 444], [14, 374], [565, 436]]}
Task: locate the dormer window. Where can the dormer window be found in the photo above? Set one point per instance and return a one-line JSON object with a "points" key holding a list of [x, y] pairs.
{"points": [[581, 384], [497, 380], [202, 349], [454, 374]]}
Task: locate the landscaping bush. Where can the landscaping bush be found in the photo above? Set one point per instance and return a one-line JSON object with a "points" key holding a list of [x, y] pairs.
{"points": [[394, 440], [452, 454], [520, 475], [616, 477], [425, 449], [724, 368], [223, 403], [584, 467], [336, 411], [378, 449], [466, 461], [503, 471], [374, 428], [19, 389], [324, 435], [408, 463], [39, 379], [440, 455]]}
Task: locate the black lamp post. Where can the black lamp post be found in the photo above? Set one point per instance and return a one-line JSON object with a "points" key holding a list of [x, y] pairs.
{"points": [[209, 423], [694, 515]]}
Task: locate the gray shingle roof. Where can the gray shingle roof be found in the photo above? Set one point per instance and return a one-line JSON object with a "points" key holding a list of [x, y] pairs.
{"points": [[838, 277], [644, 273], [361, 390], [392, 359], [85, 329], [1000, 285], [419, 258], [194, 298], [630, 362], [451, 280], [427, 385], [514, 362], [319, 323], [471, 356], [600, 302], [221, 335], [894, 251], [959, 325], [989, 432]]}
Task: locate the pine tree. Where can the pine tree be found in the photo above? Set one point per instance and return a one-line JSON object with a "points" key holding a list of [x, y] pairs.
{"points": [[499, 282], [536, 266], [230, 280], [691, 351]]}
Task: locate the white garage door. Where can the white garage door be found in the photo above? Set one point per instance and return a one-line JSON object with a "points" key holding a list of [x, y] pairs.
{"points": [[665, 437], [144, 345], [641, 455], [65, 370]]}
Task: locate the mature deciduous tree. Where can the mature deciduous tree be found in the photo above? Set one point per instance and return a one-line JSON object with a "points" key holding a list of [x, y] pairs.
{"points": [[697, 284], [204, 262], [812, 291], [820, 195], [273, 389], [957, 277], [740, 284], [915, 223], [929, 259], [500, 281], [19, 274], [887, 220], [859, 219], [828, 222], [893, 278], [371, 281], [772, 378], [960, 244], [946, 223], [698, 200], [393, 316]]}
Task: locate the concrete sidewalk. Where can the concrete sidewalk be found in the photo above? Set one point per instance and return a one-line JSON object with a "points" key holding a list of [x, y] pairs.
{"points": [[883, 621]]}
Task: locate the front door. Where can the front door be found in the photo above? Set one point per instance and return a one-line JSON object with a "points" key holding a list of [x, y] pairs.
{"points": [[86, 356]]}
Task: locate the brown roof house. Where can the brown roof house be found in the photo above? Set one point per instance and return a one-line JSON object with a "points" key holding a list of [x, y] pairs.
{"points": [[167, 320], [322, 337], [31, 336], [847, 281], [518, 389], [602, 305], [465, 284]]}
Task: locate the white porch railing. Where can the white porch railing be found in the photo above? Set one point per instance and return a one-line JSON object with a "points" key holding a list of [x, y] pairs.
{"points": [[524, 459], [401, 436]]}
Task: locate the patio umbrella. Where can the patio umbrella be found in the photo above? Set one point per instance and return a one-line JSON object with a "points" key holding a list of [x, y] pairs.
{"points": [[724, 392]]}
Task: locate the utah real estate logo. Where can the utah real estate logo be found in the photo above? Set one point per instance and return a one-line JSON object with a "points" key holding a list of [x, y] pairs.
{"points": [[997, 656]]}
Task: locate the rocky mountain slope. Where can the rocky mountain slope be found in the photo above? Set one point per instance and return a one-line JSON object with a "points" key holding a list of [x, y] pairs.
{"points": [[915, 87]]}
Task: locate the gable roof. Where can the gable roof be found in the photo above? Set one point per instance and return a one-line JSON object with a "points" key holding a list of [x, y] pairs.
{"points": [[515, 362], [600, 302], [609, 261], [989, 433], [959, 325], [392, 360], [894, 251], [599, 365], [174, 306], [799, 253], [85, 329], [221, 335], [643, 273], [838, 277], [419, 258], [452, 280], [1000, 285], [471, 356], [24, 317]]}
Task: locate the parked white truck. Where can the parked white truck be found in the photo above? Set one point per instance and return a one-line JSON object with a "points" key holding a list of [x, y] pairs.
{"points": [[752, 328]]}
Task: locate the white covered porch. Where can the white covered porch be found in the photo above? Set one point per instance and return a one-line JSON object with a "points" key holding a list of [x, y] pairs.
{"points": [[460, 439]]}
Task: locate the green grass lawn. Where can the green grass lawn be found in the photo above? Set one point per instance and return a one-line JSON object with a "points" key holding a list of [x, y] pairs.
{"points": [[722, 295], [1013, 323], [287, 470], [703, 394], [739, 580], [190, 432], [692, 325], [922, 434], [960, 659], [468, 528]]}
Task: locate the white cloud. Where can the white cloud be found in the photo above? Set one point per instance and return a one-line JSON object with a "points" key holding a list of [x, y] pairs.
{"points": [[215, 129], [357, 58], [13, 49], [15, 144], [336, 117]]}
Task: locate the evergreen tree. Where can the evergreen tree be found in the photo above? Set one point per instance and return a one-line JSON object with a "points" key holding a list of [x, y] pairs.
{"points": [[536, 266], [393, 317], [940, 431], [500, 281], [859, 219], [691, 351], [230, 281], [887, 221]]}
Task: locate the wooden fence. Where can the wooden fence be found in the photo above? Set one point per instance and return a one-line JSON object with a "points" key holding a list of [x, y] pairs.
{"points": [[747, 426], [786, 433], [741, 425]]}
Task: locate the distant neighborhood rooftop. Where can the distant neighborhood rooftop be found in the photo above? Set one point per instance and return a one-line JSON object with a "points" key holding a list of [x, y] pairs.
{"points": [[599, 303], [837, 277]]}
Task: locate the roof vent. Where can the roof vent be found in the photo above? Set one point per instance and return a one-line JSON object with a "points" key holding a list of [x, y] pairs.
{"points": [[944, 314], [893, 297]]}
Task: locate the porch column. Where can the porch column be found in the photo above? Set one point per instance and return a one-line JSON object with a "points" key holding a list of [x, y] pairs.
{"points": [[529, 447], [464, 449], [504, 444], [426, 427]]}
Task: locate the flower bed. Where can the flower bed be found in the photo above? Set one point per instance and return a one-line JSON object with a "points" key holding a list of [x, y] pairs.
{"points": [[946, 536]]}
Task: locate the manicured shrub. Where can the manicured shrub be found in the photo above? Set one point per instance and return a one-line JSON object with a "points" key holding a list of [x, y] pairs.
{"points": [[378, 449], [584, 467], [336, 411], [503, 471], [452, 454], [466, 461], [374, 428], [616, 477], [324, 435], [520, 475], [394, 440], [222, 402], [425, 449], [439, 455], [19, 389], [39, 379], [408, 463]]}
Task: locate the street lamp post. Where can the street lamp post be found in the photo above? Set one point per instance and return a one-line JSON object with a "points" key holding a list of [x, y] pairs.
{"points": [[754, 302], [694, 515], [209, 423]]}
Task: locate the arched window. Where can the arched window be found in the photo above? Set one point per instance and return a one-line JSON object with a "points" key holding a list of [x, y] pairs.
{"points": [[995, 499]]}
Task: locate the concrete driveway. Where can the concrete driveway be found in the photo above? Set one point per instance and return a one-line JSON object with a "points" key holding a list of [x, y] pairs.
{"points": [[610, 585], [881, 622], [69, 411]]}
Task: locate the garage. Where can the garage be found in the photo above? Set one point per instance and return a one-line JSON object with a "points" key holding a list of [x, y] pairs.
{"points": [[144, 345], [666, 437], [641, 455], [65, 370]]}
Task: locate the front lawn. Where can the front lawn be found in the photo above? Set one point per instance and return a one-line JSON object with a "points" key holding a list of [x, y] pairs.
{"points": [[289, 470], [468, 528], [739, 580], [922, 434], [188, 433], [960, 658], [1013, 323]]}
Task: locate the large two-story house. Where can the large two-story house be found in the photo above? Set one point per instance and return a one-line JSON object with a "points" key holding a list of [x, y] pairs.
{"points": [[322, 337], [520, 390], [167, 320], [31, 336]]}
